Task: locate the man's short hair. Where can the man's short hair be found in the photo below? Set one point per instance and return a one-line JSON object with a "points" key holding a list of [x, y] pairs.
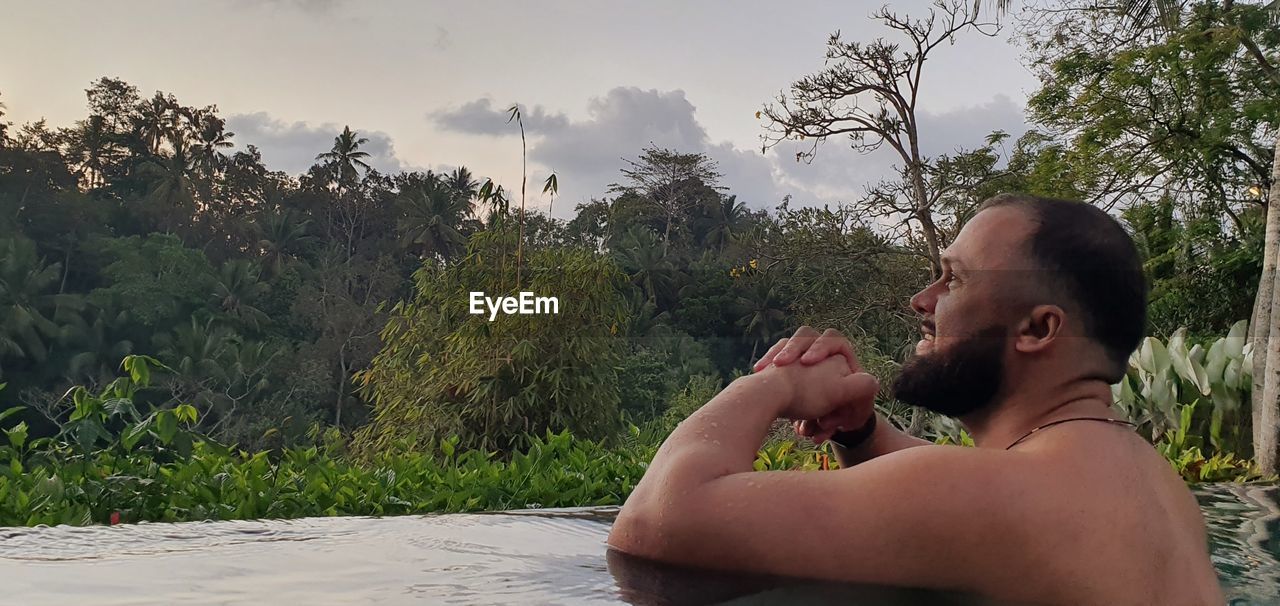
{"points": [[1090, 259]]}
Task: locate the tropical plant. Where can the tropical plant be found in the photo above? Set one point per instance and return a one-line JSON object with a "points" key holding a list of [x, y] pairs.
{"points": [[281, 237], [97, 337], [644, 261], [430, 217], [346, 159], [444, 370], [31, 311], [1167, 379], [762, 313], [237, 290]]}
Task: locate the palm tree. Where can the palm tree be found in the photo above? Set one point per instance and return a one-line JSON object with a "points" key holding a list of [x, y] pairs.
{"points": [[641, 257], [237, 288], [462, 182], [154, 120], [92, 146], [346, 157], [645, 319], [30, 309], [211, 138], [195, 351], [280, 236], [727, 220], [173, 188], [96, 337], [430, 217], [763, 314]]}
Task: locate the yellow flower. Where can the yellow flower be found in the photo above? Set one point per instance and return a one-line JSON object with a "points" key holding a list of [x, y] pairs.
{"points": [[754, 264]]}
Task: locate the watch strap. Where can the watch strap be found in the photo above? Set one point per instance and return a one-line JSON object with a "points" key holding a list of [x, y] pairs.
{"points": [[855, 438]]}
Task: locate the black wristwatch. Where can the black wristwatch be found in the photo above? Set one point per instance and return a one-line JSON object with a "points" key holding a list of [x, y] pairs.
{"points": [[853, 439]]}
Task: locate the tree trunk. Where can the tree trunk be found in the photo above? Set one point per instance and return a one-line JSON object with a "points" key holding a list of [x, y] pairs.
{"points": [[1266, 413]]}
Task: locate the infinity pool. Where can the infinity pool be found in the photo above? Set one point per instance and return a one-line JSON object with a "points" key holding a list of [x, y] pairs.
{"points": [[524, 557]]}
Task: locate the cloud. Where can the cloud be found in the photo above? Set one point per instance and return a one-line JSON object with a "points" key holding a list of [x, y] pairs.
{"points": [[480, 117], [293, 146], [588, 153]]}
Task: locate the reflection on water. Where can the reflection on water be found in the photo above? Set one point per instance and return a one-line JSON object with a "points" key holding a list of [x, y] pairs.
{"points": [[529, 557]]}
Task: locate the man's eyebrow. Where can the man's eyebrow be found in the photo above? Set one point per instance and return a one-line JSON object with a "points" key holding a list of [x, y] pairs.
{"points": [[951, 261]]}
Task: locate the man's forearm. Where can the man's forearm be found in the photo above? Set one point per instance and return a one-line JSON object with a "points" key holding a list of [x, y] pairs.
{"points": [[884, 440], [719, 439]]}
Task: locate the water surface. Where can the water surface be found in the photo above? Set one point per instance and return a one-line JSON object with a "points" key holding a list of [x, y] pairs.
{"points": [[525, 557]]}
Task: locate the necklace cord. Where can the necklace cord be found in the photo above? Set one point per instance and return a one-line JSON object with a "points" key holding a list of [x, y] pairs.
{"points": [[1103, 419]]}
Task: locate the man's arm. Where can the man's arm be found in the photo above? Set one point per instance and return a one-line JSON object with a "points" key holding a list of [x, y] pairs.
{"points": [[931, 517]]}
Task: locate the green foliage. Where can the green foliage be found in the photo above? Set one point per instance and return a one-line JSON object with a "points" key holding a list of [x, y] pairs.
{"points": [[155, 277], [1167, 379], [30, 307], [443, 371], [1202, 276], [1183, 450], [108, 458]]}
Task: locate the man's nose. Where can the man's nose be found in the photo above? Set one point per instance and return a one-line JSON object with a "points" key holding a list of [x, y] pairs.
{"points": [[923, 301]]}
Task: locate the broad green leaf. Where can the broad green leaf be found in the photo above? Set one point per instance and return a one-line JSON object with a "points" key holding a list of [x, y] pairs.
{"points": [[1216, 361], [1235, 340], [1232, 374], [185, 413], [166, 425], [17, 435], [133, 433], [11, 411]]}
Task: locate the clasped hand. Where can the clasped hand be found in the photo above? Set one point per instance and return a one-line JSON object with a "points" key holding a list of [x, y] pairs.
{"points": [[830, 391]]}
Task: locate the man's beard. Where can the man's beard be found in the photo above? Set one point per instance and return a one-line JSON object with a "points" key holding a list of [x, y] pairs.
{"points": [[963, 379]]}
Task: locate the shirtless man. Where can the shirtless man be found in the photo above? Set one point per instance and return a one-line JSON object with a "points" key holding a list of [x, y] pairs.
{"points": [[1037, 310]]}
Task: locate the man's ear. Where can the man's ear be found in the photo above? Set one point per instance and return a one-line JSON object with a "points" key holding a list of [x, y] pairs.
{"points": [[1039, 328]]}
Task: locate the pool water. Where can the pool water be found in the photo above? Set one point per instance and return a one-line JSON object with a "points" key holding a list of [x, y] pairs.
{"points": [[524, 557]]}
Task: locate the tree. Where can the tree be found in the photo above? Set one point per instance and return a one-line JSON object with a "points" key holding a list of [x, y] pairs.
{"points": [[211, 137], [344, 163], [444, 372], [155, 277], [666, 178], [345, 158], [31, 311], [640, 257], [763, 314], [726, 222], [237, 290], [869, 93], [172, 199], [430, 218], [1203, 80], [280, 238], [154, 120], [4, 128], [91, 145], [97, 337]]}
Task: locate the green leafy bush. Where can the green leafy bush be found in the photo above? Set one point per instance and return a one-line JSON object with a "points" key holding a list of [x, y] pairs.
{"points": [[1166, 377], [443, 371]]}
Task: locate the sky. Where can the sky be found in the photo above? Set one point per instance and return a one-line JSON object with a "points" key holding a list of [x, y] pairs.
{"points": [[428, 83]]}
